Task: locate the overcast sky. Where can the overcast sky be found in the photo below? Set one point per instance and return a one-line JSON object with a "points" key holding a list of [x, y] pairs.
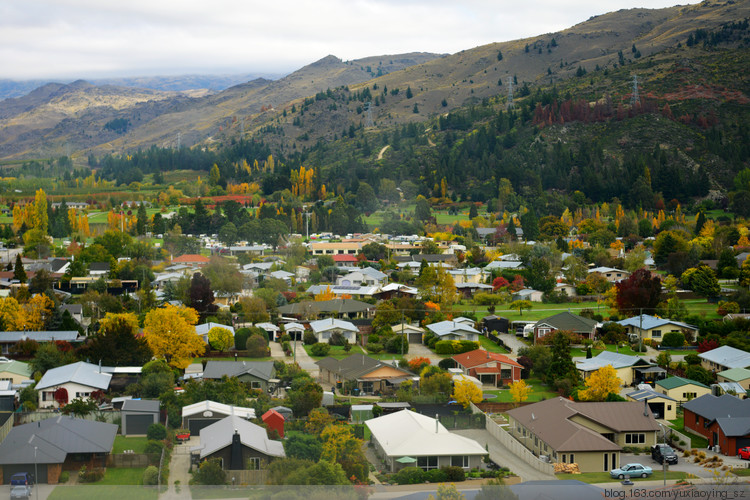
{"points": [[104, 38]]}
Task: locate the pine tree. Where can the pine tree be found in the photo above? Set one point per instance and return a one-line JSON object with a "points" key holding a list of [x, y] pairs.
{"points": [[18, 271], [140, 225]]}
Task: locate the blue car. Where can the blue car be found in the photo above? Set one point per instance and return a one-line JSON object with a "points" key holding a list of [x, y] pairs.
{"points": [[631, 470]]}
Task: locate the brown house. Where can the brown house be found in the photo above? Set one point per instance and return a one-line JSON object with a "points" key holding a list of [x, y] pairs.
{"points": [[723, 420], [489, 367], [370, 375]]}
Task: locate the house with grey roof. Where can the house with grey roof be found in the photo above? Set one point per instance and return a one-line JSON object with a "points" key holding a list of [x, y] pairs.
{"points": [[454, 330], [646, 326], [590, 434], [238, 444], [366, 276], [724, 358], [368, 374], [629, 369], [661, 405], [565, 321], [342, 308], [53, 444], [255, 373], [204, 328], [528, 294], [723, 420], [325, 328], [204, 413], [138, 415], [610, 273], [69, 382]]}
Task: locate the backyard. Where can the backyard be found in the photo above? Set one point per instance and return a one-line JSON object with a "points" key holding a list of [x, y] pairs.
{"points": [[539, 392]]}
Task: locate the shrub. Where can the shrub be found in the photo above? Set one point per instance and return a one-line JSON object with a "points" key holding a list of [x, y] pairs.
{"points": [[64, 477], [486, 299], [150, 476], [89, 476], [409, 475], [445, 347], [337, 339], [210, 472], [397, 344], [374, 348], [156, 432], [309, 338], [320, 349], [436, 476], [257, 346], [446, 363], [153, 447], [692, 359], [673, 339], [455, 474], [373, 338], [240, 338]]}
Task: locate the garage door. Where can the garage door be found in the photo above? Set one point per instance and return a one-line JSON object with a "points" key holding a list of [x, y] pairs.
{"points": [[137, 424], [196, 424], [657, 409], [742, 442], [9, 470], [415, 337]]}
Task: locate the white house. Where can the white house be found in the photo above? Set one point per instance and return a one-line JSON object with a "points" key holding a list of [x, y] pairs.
{"points": [[454, 330], [203, 329], [324, 328], [78, 380], [724, 358], [367, 276]]}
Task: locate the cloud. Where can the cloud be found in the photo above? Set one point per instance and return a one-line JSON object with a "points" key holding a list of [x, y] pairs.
{"points": [[90, 38]]}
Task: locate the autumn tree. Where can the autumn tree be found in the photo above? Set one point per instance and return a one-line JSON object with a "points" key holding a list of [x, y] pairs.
{"points": [[11, 314], [201, 294], [519, 391], [36, 312], [342, 447], [220, 338], [641, 290], [318, 420], [521, 305], [466, 392], [118, 342], [170, 333], [601, 384]]}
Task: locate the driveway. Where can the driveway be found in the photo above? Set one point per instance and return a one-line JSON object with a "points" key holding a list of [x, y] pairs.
{"points": [[684, 464], [179, 468]]}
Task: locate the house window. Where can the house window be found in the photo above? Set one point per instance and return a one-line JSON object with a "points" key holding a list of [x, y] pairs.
{"points": [[572, 458], [563, 458], [637, 438], [427, 463], [697, 420], [656, 333], [367, 387], [506, 374], [255, 384], [460, 461], [689, 395], [253, 463], [82, 394], [542, 332]]}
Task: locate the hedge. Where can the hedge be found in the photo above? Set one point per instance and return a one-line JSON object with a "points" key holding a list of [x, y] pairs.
{"points": [[455, 346]]}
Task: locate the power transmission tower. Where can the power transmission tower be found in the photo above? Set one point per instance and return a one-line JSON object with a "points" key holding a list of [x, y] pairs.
{"points": [[368, 115], [635, 99], [179, 140], [510, 94]]}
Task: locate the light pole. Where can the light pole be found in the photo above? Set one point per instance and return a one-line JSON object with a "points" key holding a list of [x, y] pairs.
{"points": [[36, 475], [663, 458]]}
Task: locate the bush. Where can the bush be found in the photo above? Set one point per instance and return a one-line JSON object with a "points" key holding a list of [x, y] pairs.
{"points": [[447, 363], [156, 432], [89, 476], [240, 338], [487, 299], [153, 447], [692, 359], [673, 339], [257, 346], [397, 344], [373, 338], [150, 476], [455, 474], [409, 475], [210, 473], [436, 476], [64, 477], [374, 348], [309, 338], [337, 339], [320, 349]]}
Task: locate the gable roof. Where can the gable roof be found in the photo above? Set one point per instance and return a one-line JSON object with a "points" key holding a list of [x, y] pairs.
{"points": [[355, 366], [40, 336], [727, 356], [605, 358], [713, 407], [16, 367], [214, 407], [81, 373], [259, 369], [649, 322], [141, 405], [191, 258], [568, 321], [323, 325], [733, 374], [674, 382], [327, 306], [647, 394], [54, 438], [734, 427], [480, 356], [219, 435], [551, 422], [448, 327], [407, 433]]}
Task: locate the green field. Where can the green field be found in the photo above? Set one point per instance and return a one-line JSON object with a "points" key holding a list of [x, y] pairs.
{"points": [[538, 310], [338, 352], [118, 482], [696, 441]]}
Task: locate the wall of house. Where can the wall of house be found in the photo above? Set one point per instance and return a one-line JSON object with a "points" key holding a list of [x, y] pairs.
{"points": [[72, 389], [649, 438], [13, 377], [744, 383], [53, 473], [225, 454], [698, 427], [591, 461], [681, 393]]}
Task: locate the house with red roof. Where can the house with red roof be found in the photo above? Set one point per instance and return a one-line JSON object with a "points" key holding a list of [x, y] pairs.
{"points": [[191, 260], [489, 367], [345, 260]]}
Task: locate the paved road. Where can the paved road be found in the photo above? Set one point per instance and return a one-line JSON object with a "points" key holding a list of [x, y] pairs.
{"points": [[503, 456]]}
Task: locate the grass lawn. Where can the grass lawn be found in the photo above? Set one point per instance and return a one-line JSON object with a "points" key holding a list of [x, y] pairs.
{"points": [[336, 351], [488, 345], [581, 353], [604, 477], [122, 443], [539, 391], [538, 310], [696, 441], [118, 482], [741, 472]]}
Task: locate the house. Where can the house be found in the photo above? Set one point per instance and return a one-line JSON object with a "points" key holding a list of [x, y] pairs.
{"points": [[325, 248], [325, 328], [271, 330], [589, 434], [651, 327], [203, 329], [528, 294], [55, 444], [69, 382], [75, 311], [567, 289], [343, 308], [257, 374], [284, 276], [724, 358], [138, 415], [473, 275], [392, 290], [489, 367], [613, 275], [16, 372], [414, 333], [238, 444], [367, 276], [565, 321], [626, 367], [361, 292], [661, 405], [723, 420], [275, 421], [739, 376], [295, 330], [454, 330], [513, 265], [345, 261], [8, 396], [9, 339], [406, 438], [191, 260], [681, 389], [204, 413], [99, 269], [367, 374]]}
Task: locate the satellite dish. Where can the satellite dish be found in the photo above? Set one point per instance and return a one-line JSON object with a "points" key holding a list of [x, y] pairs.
{"points": [[208, 414]]}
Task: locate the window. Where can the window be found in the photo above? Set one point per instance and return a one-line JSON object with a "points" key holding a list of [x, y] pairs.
{"points": [[427, 463], [460, 461], [656, 333], [367, 387], [689, 395], [563, 458], [253, 463], [697, 420], [572, 458], [82, 394], [635, 438], [255, 384], [506, 374]]}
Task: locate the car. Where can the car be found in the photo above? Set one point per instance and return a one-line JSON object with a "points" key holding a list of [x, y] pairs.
{"points": [[744, 453], [21, 479], [663, 453], [20, 491], [631, 470]]}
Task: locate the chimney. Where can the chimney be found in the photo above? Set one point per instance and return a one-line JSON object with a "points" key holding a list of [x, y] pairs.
{"points": [[437, 423], [235, 461], [645, 407]]}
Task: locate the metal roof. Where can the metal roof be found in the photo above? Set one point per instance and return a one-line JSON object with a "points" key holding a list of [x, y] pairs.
{"points": [[219, 435], [39, 336], [81, 373], [141, 405], [713, 407], [674, 382], [263, 370], [727, 356], [451, 327], [323, 325], [647, 394], [214, 407], [733, 374], [605, 358], [569, 321], [650, 322]]}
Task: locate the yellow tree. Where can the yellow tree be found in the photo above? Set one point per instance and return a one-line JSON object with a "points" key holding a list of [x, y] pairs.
{"points": [[11, 315], [447, 492], [466, 392], [220, 338], [36, 311], [41, 220], [519, 391], [170, 333], [317, 421], [600, 384], [342, 447], [121, 322], [326, 294]]}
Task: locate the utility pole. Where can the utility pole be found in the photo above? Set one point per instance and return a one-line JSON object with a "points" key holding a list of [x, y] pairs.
{"points": [[510, 94]]}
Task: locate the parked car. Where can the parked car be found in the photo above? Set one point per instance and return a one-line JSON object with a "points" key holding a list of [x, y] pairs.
{"points": [[662, 452], [744, 453], [631, 470], [20, 491], [21, 478]]}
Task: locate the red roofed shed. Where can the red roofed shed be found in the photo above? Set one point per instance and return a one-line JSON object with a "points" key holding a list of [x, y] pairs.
{"points": [[274, 420]]}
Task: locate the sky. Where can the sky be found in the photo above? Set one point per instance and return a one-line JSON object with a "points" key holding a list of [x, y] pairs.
{"points": [[42, 39]]}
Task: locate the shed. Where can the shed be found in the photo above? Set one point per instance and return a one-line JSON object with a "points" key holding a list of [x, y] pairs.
{"points": [[328, 398], [274, 420], [138, 415], [495, 324], [360, 413]]}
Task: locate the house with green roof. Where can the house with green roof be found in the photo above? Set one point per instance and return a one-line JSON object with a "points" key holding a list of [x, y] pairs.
{"points": [[738, 375], [681, 389], [566, 321], [15, 371]]}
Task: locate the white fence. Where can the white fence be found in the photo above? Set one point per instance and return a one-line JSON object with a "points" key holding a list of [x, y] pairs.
{"points": [[514, 446]]}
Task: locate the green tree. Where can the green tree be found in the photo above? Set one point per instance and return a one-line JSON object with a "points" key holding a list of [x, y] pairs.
{"points": [[303, 446], [422, 209], [702, 280], [228, 234], [19, 273], [304, 395], [561, 365], [530, 225], [50, 355], [366, 199], [520, 305], [142, 220]]}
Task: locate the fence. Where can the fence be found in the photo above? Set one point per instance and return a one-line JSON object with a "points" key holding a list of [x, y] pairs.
{"points": [[677, 438], [463, 421], [6, 427], [247, 477], [132, 460], [109, 416], [514, 446]]}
